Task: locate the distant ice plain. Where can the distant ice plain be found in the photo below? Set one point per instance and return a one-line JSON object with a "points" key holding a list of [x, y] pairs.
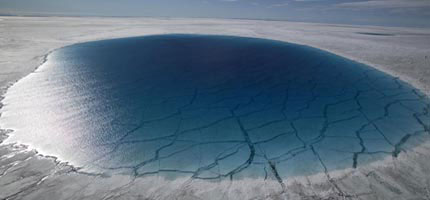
{"points": [[403, 53]]}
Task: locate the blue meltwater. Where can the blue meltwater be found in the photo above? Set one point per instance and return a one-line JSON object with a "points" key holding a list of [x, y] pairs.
{"points": [[212, 107]]}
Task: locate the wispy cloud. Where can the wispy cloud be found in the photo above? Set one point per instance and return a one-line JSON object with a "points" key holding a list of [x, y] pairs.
{"points": [[306, 0], [372, 4], [277, 5]]}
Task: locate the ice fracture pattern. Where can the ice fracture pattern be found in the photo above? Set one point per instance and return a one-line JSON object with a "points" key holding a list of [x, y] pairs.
{"points": [[212, 107]]}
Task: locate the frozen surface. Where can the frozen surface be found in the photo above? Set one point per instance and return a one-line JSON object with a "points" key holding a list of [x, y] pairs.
{"points": [[211, 107], [400, 52]]}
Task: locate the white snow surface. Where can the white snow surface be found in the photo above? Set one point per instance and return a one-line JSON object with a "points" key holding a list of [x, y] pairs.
{"points": [[401, 52]]}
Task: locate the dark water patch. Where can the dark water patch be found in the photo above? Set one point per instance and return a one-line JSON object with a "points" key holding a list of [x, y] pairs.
{"points": [[376, 34], [211, 107]]}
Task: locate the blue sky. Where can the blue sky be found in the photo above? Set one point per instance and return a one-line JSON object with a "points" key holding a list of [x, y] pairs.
{"points": [[371, 12]]}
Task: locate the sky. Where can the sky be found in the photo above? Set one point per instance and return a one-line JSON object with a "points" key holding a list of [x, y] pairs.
{"points": [[415, 13]]}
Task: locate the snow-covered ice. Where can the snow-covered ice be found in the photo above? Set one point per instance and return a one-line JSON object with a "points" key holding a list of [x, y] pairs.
{"points": [[401, 52]]}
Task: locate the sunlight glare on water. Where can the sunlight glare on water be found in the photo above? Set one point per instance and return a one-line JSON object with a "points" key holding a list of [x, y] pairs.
{"points": [[211, 107]]}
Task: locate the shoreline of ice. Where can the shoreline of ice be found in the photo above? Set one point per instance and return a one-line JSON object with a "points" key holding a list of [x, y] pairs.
{"points": [[318, 186]]}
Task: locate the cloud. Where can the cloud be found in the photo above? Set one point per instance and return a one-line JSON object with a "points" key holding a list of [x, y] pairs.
{"points": [[278, 5], [372, 4]]}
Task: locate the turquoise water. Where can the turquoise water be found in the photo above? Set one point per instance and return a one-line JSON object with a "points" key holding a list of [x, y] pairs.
{"points": [[211, 107]]}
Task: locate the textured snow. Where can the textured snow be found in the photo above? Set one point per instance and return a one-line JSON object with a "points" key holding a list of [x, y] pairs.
{"points": [[402, 52]]}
